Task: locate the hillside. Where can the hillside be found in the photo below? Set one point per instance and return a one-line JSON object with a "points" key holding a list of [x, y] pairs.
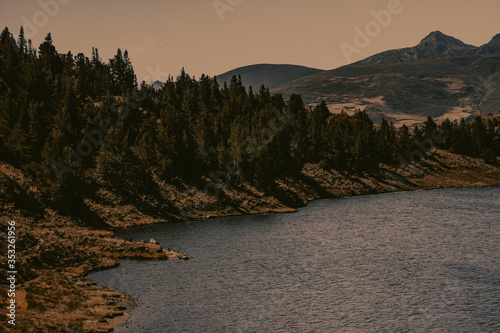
{"points": [[434, 46], [84, 151], [56, 251], [441, 77], [268, 75], [406, 93], [492, 47]]}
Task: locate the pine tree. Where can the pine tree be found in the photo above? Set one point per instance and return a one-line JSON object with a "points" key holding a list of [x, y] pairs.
{"points": [[317, 131], [428, 128], [122, 74], [9, 61], [404, 142], [116, 164], [49, 58], [386, 137], [61, 147], [296, 116], [21, 42]]}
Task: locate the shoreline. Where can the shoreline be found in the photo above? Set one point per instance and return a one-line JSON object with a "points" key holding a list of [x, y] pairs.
{"points": [[80, 250], [422, 182], [295, 211]]}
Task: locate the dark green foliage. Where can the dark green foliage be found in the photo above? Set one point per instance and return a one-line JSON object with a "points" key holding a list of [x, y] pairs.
{"points": [[90, 122], [122, 75], [429, 127], [479, 138], [387, 138]]}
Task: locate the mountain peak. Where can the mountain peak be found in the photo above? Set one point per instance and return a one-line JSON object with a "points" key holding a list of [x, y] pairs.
{"points": [[269, 75], [437, 37], [493, 46], [495, 40], [436, 45], [435, 34]]}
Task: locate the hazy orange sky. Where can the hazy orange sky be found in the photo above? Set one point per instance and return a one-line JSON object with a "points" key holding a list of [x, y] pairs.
{"points": [[162, 36]]}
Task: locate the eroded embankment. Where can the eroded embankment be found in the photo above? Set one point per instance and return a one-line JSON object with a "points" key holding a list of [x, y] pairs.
{"points": [[56, 252]]}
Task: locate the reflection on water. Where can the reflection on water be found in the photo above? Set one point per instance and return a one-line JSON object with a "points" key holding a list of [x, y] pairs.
{"points": [[425, 261]]}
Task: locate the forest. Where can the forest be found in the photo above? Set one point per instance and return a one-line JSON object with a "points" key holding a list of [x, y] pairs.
{"points": [[74, 123]]}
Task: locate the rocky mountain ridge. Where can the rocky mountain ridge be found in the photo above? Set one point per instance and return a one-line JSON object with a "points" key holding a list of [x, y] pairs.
{"points": [[436, 45], [441, 77]]}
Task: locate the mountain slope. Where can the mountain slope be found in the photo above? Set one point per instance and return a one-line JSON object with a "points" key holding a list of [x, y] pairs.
{"points": [[268, 75], [435, 46], [408, 92], [440, 77], [492, 47]]}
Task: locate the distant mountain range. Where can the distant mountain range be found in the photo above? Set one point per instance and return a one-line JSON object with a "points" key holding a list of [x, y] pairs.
{"points": [[441, 77], [492, 47], [435, 46], [268, 75]]}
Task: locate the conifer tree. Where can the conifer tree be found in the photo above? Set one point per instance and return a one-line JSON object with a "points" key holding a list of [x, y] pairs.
{"points": [[21, 42]]}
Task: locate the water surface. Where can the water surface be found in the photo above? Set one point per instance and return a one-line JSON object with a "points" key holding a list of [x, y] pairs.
{"points": [[425, 261]]}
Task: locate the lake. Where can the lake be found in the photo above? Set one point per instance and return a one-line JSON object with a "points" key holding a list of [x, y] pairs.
{"points": [[424, 261]]}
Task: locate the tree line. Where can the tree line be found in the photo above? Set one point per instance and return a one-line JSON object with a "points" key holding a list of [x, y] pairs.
{"points": [[69, 121]]}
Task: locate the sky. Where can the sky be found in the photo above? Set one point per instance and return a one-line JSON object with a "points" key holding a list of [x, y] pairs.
{"points": [[214, 36]]}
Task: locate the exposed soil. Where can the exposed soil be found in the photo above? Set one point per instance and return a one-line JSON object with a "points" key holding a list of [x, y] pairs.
{"points": [[55, 252]]}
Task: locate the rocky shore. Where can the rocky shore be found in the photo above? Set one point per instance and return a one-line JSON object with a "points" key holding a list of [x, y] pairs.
{"points": [[53, 294], [57, 251]]}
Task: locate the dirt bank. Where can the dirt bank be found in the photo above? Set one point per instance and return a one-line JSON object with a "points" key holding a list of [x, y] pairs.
{"points": [[57, 251]]}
